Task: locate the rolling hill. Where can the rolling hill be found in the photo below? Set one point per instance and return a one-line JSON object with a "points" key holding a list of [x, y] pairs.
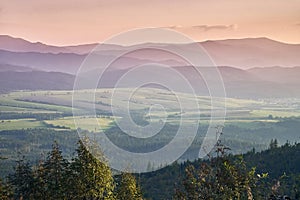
{"points": [[239, 53], [237, 82], [32, 66], [35, 80]]}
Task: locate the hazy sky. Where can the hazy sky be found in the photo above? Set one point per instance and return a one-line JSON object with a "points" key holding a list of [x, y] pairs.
{"points": [[64, 22]]}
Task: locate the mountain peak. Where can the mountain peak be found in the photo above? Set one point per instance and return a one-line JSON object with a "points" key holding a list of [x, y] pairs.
{"points": [[14, 44]]}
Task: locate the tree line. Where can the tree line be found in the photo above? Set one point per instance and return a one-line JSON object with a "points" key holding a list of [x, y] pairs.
{"points": [[270, 174], [221, 176], [87, 176]]}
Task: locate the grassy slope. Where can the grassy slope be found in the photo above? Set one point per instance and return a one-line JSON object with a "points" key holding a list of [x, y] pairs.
{"points": [[239, 112]]}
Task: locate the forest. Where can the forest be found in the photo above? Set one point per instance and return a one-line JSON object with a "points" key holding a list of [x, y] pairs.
{"points": [[269, 174]]}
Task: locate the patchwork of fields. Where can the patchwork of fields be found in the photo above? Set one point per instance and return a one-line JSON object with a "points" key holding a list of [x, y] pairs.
{"points": [[57, 105], [31, 120]]}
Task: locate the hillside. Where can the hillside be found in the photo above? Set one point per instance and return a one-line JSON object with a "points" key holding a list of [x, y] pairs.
{"points": [[15, 68], [34, 80], [60, 62], [253, 83], [275, 162], [278, 74]]}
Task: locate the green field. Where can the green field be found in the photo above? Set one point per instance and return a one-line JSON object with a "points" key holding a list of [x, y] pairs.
{"points": [[85, 122], [53, 109], [31, 121], [275, 113], [14, 102], [16, 124]]}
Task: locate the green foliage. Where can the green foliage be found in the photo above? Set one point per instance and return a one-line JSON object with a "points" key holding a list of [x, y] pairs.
{"points": [[218, 178], [52, 175], [273, 144], [5, 191], [22, 180], [91, 177], [223, 176], [87, 177], [128, 188], [160, 184], [33, 143], [276, 161], [270, 166]]}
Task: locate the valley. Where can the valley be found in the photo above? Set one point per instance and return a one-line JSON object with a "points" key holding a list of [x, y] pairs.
{"points": [[34, 119]]}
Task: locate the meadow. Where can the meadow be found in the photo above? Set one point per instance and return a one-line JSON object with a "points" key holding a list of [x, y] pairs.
{"points": [[31, 120], [53, 109]]}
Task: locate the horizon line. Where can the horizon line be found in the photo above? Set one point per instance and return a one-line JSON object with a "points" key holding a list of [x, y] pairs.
{"points": [[96, 43]]}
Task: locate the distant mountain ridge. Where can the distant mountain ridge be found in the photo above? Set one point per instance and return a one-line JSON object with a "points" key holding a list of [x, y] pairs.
{"points": [[238, 83], [20, 45], [15, 68], [248, 66], [239, 53], [34, 80], [278, 74], [61, 62]]}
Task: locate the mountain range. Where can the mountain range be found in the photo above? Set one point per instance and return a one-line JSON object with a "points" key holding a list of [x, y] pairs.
{"points": [[240, 53], [250, 67]]}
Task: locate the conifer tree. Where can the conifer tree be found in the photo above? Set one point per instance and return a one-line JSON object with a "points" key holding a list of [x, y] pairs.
{"points": [[220, 177], [53, 174], [91, 177], [128, 188], [40, 182], [22, 180], [5, 191]]}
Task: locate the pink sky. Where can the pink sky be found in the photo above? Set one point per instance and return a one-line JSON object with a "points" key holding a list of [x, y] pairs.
{"points": [[65, 22]]}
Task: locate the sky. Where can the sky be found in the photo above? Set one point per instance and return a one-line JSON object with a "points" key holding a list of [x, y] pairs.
{"points": [[71, 22]]}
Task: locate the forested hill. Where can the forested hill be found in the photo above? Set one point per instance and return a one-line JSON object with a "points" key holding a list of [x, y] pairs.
{"points": [[279, 162], [276, 160], [270, 174], [34, 80]]}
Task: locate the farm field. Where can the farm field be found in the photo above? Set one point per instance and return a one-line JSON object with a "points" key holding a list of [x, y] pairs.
{"points": [[87, 123], [16, 124], [57, 105], [33, 120]]}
